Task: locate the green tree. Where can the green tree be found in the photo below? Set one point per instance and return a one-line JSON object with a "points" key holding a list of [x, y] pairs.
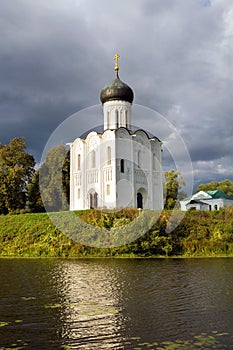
{"points": [[35, 203], [173, 183], [16, 170], [66, 176], [225, 186], [54, 179]]}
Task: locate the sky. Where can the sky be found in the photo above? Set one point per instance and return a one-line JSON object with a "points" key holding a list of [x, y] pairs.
{"points": [[177, 55]]}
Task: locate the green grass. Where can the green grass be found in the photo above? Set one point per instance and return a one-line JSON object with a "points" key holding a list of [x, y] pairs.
{"points": [[200, 233]]}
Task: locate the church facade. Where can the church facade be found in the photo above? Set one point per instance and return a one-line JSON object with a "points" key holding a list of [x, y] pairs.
{"points": [[118, 167]]}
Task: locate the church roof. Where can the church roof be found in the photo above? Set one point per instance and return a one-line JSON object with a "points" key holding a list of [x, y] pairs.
{"points": [[117, 89], [100, 130]]}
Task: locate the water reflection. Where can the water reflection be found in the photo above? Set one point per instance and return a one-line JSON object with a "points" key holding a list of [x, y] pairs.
{"points": [[92, 298], [126, 303], [116, 303]]}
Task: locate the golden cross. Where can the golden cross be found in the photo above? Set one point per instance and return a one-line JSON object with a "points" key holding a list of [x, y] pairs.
{"points": [[116, 65]]}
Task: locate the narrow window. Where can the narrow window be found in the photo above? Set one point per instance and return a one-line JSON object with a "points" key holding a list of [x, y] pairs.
{"points": [[91, 201], [117, 118], [78, 193], [109, 156], [139, 201], [95, 200], [108, 190], [122, 166], [79, 162], [126, 119], [93, 160]]}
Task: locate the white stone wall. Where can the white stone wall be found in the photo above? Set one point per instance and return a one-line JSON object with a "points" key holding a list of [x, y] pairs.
{"points": [[111, 169], [108, 169], [93, 170], [117, 114], [117, 165], [142, 170], [124, 169], [77, 177]]}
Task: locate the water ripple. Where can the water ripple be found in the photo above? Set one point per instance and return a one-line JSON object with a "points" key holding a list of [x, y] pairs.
{"points": [[116, 304]]}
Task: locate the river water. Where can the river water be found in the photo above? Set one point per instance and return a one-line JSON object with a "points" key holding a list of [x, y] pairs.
{"points": [[116, 304]]}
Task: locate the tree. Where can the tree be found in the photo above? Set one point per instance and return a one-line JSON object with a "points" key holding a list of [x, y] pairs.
{"points": [[226, 186], [16, 170], [173, 184], [54, 179], [66, 176], [35, 203]]}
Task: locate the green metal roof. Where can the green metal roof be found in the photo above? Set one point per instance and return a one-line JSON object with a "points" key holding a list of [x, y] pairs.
{"points": [[219, 194], [214, 195]]}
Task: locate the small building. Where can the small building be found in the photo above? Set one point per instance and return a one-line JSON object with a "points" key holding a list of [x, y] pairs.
{"points": [[118, 167], [206, 200]]}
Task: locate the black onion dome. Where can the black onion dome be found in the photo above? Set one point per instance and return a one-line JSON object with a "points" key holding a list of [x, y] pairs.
{"points": [[117, 90]]}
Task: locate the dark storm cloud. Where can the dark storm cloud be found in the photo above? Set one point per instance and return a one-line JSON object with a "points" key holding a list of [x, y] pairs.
{"points": [[56, 56], [45, 58]]}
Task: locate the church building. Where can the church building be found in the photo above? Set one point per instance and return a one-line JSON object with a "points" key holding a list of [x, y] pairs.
{"points": [[121, 166]]}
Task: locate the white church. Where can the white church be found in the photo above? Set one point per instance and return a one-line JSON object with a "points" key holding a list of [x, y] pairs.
{"points": [[118, 167]]}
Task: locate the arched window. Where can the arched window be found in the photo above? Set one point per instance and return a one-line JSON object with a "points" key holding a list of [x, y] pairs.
{"points": [[93, 200], [93, 160], [109, 156], [79, 162], [108, 190], [139, 201], [122, 166], [117, 118]]}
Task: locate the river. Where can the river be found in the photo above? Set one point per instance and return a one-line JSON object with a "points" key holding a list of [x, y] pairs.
{"points": [[116, 304]]}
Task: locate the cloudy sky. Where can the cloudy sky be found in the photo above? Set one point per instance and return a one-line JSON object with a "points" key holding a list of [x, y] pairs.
{"points": [[177, 55]]}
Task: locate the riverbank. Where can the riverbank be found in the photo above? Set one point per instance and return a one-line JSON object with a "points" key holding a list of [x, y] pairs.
{"points": [[200, 233]]}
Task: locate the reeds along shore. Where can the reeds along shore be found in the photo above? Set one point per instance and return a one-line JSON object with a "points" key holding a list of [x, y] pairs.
{"points": [[200, 233]]}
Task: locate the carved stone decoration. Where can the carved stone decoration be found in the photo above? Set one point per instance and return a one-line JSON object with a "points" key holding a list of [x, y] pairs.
{"points": [[141, 139], [107, 135], [92, 143], [79, 145], [122, 134]]}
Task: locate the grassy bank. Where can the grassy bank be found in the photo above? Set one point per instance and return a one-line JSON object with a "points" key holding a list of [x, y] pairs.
{"points": [[199, 233]]}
